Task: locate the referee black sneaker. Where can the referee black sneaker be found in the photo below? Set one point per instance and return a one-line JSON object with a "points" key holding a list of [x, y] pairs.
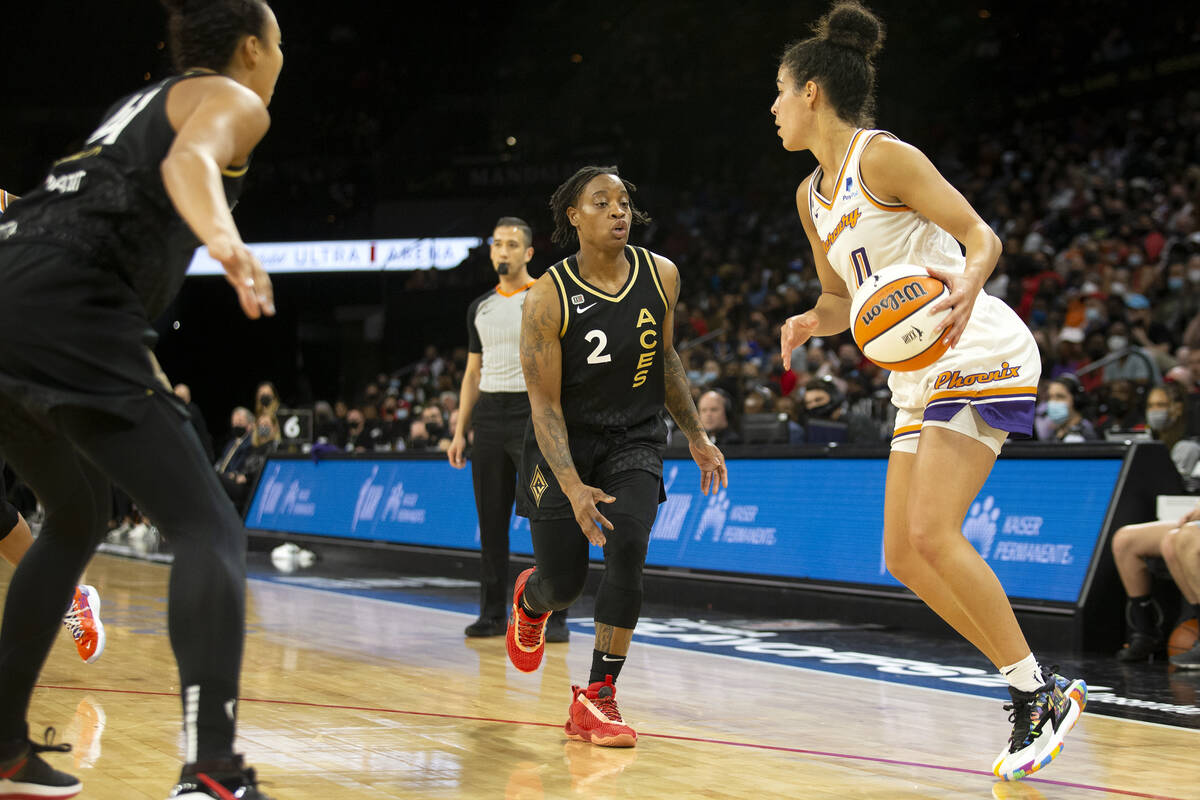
{"points": [[223, 779], [556, 627], [487, 626], [27, 775]]}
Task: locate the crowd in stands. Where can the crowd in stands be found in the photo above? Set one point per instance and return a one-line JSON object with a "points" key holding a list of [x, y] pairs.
{"points": [[1101, 258]]}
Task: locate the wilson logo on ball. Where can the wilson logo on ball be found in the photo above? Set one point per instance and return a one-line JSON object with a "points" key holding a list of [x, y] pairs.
{"points": [[893, 324], [895, 301]]}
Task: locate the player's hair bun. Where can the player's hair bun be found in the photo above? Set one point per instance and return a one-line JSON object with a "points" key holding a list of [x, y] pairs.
{"points": [[849, 24]]}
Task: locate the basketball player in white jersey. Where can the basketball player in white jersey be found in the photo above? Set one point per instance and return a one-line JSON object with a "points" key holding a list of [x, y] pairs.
{"points": [[874, 201], [83, 617]]}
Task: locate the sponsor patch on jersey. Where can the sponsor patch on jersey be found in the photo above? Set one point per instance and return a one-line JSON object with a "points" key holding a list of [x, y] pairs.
{"points": [[576, 299]]}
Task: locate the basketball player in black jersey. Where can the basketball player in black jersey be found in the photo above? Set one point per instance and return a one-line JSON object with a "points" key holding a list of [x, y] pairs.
{"points": [[83, 616], [600, 366], [87, 260]]}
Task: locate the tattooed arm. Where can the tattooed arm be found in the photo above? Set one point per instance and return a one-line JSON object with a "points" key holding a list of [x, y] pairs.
{"points": [[541, 361], [679, 395]]}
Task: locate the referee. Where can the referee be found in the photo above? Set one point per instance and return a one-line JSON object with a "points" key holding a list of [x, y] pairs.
{"points": [[493, 398]]}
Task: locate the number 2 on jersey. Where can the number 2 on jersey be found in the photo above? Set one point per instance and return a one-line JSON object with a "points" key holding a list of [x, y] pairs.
{"points": [[598, 356], [862, 267]]}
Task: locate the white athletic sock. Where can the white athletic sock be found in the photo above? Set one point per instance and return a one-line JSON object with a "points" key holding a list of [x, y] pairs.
{"points": [[1025, 675]]}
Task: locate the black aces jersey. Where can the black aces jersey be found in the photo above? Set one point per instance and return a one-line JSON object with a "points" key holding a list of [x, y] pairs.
{"points": [[108, 203], [612, 346]]}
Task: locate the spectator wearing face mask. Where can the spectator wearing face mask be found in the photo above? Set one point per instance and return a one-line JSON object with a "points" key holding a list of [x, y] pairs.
{"points": [[1167, 418], [418, 437], [1134, 364], [233, 454], [1121, 407], [357, 440], [266, 399], [435, 424], [264, 439], [823, 402], [1166, 413], [1061, 419]]}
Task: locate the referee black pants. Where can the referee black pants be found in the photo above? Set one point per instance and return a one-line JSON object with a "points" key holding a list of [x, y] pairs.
{"points": [[498, 421], [69, 459]]}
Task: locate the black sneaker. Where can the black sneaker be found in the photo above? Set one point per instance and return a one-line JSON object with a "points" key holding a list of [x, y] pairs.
{"points": [[1141, 647], [556, 628], [223, 779], [487, 626], [27, 775]]}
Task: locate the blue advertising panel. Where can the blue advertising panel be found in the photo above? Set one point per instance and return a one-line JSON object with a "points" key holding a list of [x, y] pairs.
{"points": [[1036, 521]]}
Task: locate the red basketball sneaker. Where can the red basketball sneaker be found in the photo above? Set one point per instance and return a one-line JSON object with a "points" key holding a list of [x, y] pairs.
{"points": [[83, 621], [594, 716], [526, 637]]}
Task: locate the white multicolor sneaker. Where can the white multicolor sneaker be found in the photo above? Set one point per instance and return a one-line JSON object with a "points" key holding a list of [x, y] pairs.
{"points": [[1041, 720]]}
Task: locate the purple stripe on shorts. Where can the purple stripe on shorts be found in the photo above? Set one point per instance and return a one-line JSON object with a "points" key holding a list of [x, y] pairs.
{"points": [[1014, 416]]}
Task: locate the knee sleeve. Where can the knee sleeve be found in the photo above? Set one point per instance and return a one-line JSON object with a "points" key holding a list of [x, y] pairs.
{"points": [[552, 591], [619, 599]]}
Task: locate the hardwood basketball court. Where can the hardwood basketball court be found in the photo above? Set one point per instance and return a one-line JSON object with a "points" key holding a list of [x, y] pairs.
{"points": [[353, 697]]}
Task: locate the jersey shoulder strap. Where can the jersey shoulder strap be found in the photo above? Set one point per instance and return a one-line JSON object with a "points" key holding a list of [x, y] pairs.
{"points": [[652, 268], [562, 296]]}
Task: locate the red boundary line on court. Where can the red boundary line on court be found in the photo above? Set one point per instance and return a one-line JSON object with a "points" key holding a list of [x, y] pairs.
{"points": [[751, 745]]}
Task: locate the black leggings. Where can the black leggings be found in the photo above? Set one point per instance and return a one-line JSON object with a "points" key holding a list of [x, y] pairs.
{"points": [[68, 460], [561, 551], [499, 425]]}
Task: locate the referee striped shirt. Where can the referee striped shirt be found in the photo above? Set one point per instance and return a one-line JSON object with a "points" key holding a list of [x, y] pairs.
{"points": [[494, 330]]}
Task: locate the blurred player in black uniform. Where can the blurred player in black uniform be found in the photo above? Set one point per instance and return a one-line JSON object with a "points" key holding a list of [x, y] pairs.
{"points": [[600, 366], [83, 616], [87, 260], [493, 401]]}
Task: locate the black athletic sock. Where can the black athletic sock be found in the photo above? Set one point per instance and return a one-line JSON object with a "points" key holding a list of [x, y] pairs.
{"points": [[1144, 615], [603, 665], [525, 607], [210, 715]]}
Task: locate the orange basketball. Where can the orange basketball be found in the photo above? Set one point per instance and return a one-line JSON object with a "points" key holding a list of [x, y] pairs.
{"points": [[1183, 638], [891, 319]]}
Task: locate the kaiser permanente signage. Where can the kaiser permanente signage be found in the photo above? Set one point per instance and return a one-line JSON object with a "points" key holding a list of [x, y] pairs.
{"points": [[362, 255]]}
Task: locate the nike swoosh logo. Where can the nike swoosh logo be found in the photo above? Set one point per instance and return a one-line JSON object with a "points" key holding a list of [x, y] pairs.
{"points": [[605, 657], [581, 309]]}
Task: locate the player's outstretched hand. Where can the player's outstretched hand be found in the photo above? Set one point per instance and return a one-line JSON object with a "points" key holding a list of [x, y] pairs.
{"points": [[711, 461], [963, 291], [591, 521], [796, 331], [246, 275]]}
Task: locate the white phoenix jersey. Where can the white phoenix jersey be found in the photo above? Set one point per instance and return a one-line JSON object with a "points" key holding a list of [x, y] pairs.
{"points": [[861, 233], [995, 365]]}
